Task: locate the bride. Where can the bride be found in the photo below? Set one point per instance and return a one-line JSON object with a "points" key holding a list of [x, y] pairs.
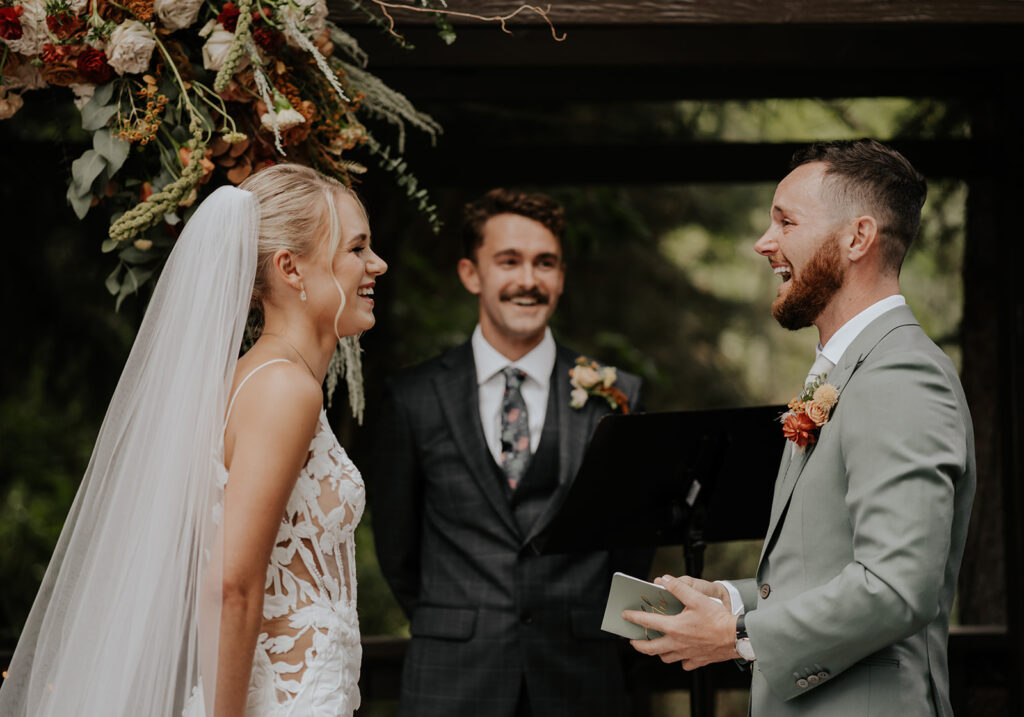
{"points": [[207, 566]]}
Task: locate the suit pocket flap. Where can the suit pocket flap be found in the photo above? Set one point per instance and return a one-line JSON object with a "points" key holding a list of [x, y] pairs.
{"points": [[586, 623], [449, 623]]}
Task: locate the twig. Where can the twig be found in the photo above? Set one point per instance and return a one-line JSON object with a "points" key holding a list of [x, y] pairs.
{"points": [[501, 19]]}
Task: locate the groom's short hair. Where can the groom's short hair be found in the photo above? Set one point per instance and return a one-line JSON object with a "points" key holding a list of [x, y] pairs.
{"points": [[539, 207], [866, 176]]}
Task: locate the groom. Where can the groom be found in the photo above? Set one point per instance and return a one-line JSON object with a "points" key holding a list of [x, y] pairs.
{"points": [[849, 612], [478, 448]]}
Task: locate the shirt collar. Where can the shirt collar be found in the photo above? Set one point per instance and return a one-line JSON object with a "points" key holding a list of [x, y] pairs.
{"points": [[538, 364], [841, 339]]}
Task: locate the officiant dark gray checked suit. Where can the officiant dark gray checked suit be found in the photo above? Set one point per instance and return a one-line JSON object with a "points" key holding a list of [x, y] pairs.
{"points": [[497, 629]]}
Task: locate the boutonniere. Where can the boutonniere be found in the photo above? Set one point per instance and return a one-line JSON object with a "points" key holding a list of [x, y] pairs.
{"points": [[808, 412], [588, 379]]}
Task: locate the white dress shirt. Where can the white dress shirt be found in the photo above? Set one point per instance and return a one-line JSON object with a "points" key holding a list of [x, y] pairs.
{"points": [[841, 339], [538, 365], [833, 350]]}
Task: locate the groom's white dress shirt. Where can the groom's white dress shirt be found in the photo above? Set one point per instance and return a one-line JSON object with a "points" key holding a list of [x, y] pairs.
{"points": [[537, 365], [833, 350]]}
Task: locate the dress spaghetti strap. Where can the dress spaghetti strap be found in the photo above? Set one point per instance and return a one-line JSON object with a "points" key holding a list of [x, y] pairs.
{"points": [[242, 383]]}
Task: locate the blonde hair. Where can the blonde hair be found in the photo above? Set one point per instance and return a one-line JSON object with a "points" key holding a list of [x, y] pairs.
{"points": [[285, 193]]}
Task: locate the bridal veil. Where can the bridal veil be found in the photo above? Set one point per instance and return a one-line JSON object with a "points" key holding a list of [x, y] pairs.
{"points": [[127, 617]]}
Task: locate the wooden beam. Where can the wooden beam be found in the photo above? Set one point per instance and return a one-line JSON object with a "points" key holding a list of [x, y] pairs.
{"points": [[873, 49], [427, 84], [715, 12], [482, 165]]}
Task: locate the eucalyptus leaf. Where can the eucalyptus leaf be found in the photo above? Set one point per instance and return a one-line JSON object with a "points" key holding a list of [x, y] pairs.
{"points": [[80, 203], [114, 149], [132, 255], [96, 116], [104, 93], [133, 281], [113, 282], [109, 245], [85, 169]]}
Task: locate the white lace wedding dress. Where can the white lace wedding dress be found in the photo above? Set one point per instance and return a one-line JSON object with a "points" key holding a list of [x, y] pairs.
{"points": [[308, 651]]}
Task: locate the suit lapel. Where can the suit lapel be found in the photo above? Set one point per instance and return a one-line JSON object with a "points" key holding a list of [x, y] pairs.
{"points": [[789, 473], [574, 430], [458, 393]]}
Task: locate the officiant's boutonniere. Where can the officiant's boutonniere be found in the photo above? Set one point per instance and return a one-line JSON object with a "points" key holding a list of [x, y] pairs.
{"points": [[808, 412], [588, 379]]}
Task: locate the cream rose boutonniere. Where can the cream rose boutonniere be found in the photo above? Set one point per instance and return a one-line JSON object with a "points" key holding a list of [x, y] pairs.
{"points": [[808, 412], [589, 379]]}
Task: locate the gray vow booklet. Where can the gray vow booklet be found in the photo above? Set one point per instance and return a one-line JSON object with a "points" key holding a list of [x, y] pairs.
{"points": [[629, 593]]}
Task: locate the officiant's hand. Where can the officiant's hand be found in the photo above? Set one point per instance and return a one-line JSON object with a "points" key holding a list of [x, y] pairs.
{"points": [[704, 632]]}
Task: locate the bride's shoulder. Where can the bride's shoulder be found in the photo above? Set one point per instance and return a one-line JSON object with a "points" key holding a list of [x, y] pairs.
{"points": [[274, 389]]}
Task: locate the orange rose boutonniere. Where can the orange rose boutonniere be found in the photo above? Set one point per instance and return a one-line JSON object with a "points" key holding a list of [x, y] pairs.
{"points": [[589, 379], [808, 412]]}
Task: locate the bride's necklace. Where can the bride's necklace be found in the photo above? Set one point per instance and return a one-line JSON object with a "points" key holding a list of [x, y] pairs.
{"points": [[299, 353]]}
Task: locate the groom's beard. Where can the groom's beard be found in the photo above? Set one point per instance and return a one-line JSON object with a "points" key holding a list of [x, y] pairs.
{"points": [[810, 292]]}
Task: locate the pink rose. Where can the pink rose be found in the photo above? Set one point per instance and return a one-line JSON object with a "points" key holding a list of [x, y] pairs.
{"points": [[818, 412]]}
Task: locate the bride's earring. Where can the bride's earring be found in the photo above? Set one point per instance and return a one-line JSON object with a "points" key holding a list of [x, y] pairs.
{"points": [[302, 294]]}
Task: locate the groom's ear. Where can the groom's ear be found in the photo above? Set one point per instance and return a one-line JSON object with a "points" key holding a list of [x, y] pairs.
{"points": [[864, 238], [470, 275]]}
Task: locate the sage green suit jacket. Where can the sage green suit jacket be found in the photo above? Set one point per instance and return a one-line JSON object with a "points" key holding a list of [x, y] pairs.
{"points": [[849, 613]]}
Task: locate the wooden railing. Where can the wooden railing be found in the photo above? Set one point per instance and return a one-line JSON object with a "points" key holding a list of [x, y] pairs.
{"points": [[978, 657]]}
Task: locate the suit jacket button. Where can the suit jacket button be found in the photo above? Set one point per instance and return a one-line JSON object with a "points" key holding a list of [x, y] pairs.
{"points": [[813, 679], [801, 683], [766, 590], [823, 675]]}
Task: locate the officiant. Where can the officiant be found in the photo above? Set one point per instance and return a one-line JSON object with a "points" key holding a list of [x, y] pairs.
{"points": [[476, 450]]}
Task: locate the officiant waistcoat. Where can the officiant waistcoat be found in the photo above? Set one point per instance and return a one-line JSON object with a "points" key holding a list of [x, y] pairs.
{"points": [[538, 484]]}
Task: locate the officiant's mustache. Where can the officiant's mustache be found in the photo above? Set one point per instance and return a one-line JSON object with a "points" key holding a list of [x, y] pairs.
{"points": [[536, 294]]}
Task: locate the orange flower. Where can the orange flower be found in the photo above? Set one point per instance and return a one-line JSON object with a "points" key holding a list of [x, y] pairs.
{"points": [[798, 428], [619, 397]]}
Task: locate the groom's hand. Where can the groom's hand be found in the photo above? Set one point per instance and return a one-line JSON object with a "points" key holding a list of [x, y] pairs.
{"points": [[715, 590], [704, 632]]}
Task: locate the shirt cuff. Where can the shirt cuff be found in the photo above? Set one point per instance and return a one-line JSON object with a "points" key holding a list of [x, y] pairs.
{"points": [[734, 596]]}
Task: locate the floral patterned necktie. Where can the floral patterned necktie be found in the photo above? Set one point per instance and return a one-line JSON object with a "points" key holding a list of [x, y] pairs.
{"points": [[515, 428]]}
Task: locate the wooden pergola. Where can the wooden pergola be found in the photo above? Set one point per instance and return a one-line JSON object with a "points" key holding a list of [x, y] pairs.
{"points": [[969, 52]]}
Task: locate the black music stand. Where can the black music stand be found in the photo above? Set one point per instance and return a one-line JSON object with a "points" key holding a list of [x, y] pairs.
{"points": [[680, 478]]}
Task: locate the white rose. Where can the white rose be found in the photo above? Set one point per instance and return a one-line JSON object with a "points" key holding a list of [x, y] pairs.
{"points": [[217, 47], [77, 6], [34, 33], [9, 103], [586, 377], [577, 398], [130, 47], [177, 14], [83, 93], [608, 376], [286, 119]]}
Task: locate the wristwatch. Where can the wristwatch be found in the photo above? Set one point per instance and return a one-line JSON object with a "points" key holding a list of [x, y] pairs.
{"points": [[743, 646]]}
